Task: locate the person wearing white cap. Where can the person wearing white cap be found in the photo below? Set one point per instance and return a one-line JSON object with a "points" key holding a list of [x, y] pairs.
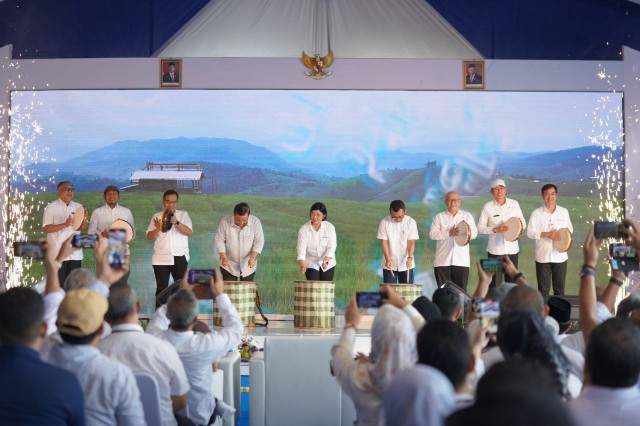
{"points": [[492, 221]]}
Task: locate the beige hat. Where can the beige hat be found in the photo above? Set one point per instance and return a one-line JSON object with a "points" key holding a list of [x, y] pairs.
{"points": [[81, 312], [498, 182]]}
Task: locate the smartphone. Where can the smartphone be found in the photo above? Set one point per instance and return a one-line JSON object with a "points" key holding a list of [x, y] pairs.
{"points": [[370, 299], [117, 247], [32, 249], [493, 264], [489, 310], [84, 241], [625, 264], [603, 230], [622, 250], [200, 276]]}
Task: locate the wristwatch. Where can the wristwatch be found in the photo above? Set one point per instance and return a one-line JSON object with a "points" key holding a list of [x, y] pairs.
{"points": [[177, 223], [587, 272]]}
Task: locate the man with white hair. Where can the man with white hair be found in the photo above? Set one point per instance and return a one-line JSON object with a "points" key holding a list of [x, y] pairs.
{"points": [[174, 323]]}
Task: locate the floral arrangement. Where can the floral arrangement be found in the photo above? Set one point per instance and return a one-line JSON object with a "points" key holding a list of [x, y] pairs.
{"points": [[248, 345]]}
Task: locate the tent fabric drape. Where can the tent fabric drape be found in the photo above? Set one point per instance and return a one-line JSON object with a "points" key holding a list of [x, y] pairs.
{"points": [[351, 28]]}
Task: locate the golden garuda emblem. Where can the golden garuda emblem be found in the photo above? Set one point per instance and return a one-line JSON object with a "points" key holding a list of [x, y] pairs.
{"points": [[317, 65]]}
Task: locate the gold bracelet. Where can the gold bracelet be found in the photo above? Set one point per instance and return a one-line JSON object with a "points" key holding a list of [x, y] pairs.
{"points": [[349, 325]]}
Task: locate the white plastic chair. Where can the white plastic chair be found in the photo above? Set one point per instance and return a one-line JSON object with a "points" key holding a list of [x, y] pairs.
{"points": [[150, 398]]}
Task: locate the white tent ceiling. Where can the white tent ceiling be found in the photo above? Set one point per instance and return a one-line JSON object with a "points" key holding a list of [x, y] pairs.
{"points": [[351, 28]]}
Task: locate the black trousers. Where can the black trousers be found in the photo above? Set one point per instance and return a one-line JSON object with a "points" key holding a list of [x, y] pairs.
{"points": [[396, 277], [162, 273], [546, 273], [457, 274], [319, 275], [497, 277], [227, 276], [67, 267]]}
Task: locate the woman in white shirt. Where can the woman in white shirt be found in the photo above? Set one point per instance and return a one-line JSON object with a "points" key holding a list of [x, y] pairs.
{"points": [[317, 245]]}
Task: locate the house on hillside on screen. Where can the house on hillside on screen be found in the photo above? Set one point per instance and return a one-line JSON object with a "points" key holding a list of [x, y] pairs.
{"points": [[186, 177]]}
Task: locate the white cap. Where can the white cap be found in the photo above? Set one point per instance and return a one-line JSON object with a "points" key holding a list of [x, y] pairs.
{"points": [[498, 182]]}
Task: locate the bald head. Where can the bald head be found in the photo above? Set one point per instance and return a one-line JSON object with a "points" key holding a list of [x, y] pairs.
{"points": [[452, 201], [523, 298]]}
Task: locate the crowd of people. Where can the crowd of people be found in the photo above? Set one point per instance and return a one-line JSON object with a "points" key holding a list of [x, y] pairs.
{"points": [[71, 355], [426, 369]]}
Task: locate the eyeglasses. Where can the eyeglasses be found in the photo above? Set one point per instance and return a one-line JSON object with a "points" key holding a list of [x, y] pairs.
{"points": [[70, 189], [453, 200]]}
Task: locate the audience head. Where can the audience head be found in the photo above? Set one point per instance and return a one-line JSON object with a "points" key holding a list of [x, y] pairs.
{"points": [[612, 358], [182, 309], [523, 298], [80, 316], [560, 310], [427, 308], [419, 395], [123, 303], [79, 278], [514, 392], [21, 317], [393, 344], [445, 345], [524, 335], [448, 301], [627, 306]]}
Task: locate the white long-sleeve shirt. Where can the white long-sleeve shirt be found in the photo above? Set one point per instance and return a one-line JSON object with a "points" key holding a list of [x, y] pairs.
{"points": [[541, 220], [170, 243], [494, 214], [448, 253], [238, 243], [314, 246], [197, 351], [55, 213], [104, 216]]}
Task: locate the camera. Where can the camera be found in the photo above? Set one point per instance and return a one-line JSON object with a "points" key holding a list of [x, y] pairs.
{"points": [[603, 230], [84, 241], [32, 249], [493, 264], [370, 299], [200, 276]]}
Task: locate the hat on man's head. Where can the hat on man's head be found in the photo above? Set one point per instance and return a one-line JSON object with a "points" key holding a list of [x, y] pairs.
{"points": [[559, 309], [498, 182], [111, 188], [81, 312]]}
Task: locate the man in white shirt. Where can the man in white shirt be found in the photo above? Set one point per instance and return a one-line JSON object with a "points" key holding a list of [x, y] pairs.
{"points": [[611, 395], [174, 323], [452, 261], [544, 224], [111, 394], [142, 352], [398, 234], [239, 241], [492, 221], [171, 248], [57, 223], [103, 217]]}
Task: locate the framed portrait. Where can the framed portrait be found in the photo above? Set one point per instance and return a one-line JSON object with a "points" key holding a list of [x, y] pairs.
{"points": [[473, 76], [170, 72]]}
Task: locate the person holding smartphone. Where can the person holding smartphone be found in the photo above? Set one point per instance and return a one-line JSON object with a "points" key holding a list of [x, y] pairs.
{"points": [[239, 242], [317, 244], [398, 234], [170, 248], [544, 224], [57, 220]]}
